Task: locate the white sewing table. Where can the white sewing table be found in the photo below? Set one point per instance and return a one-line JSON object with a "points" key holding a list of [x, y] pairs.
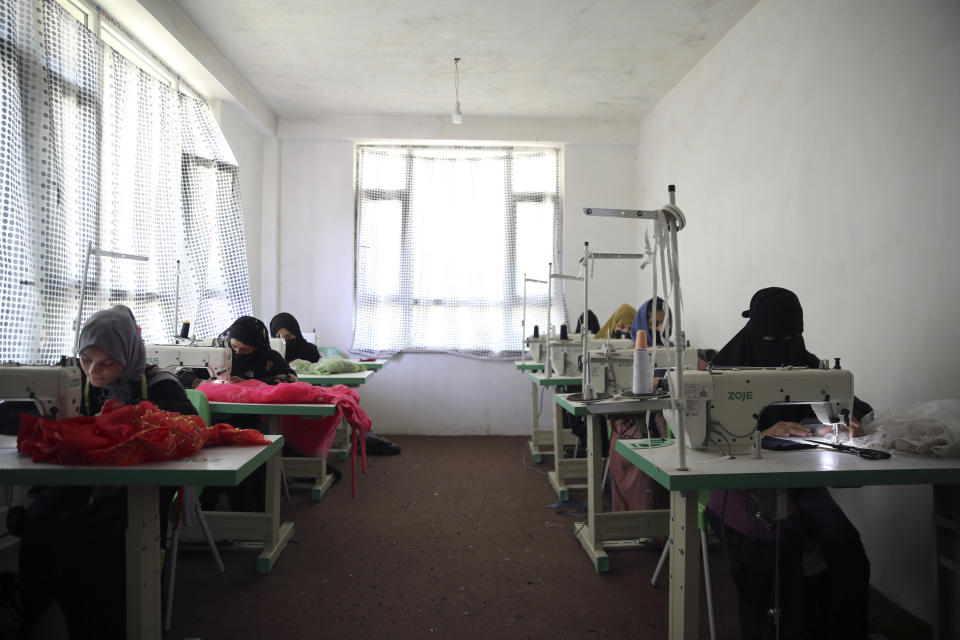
{"points": [[212, 466], [776, 470], [341, 443], [293, 467], [354, 379], [612, 529], [373, 365], [564, 469]]}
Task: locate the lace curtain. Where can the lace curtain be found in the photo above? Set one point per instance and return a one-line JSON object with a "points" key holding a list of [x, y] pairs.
{"points": [[95, 150], [444, 237]]}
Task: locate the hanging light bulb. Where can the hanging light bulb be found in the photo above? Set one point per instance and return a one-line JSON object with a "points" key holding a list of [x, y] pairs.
{"points": [[457, 116]]}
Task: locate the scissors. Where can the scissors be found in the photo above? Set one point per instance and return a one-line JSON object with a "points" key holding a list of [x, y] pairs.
{"points": [[869, 454]]}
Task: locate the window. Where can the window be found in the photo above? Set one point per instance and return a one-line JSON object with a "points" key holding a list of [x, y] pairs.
{"points": [[444, 238], [97, 149]]}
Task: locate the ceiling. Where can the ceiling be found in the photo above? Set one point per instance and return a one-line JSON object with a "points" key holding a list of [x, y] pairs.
{"points": [[592, 60]]}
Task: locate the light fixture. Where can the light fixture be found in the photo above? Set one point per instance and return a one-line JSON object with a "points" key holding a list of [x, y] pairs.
{"points": [[457, 116]]}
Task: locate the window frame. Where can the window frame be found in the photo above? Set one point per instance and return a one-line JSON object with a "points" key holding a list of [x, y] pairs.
{"points": [[512, 295]]}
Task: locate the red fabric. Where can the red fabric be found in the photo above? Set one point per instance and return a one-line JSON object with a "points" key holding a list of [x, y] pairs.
{"points": [[124, 435], [311, 437]]}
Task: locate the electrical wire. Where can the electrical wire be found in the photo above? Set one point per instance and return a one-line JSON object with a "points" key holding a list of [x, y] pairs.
{"points": [[523, 460]]}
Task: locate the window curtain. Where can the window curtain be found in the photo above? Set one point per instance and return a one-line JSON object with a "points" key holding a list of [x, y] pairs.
{"points": [[49, 174], [94, 149], [444, 238], [215, 285]]}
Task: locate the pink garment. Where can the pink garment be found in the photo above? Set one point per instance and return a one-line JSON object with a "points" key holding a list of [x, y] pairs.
{"points": [[632, 489], [311, 437]]}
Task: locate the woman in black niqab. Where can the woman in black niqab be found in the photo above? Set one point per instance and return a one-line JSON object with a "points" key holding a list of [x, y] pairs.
{"points": [[297, 348], [252, 356], [829, 604], [773, 335]]}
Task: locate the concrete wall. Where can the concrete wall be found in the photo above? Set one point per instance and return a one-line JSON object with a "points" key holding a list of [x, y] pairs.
{"points": [[817, 147], [431, 393]]}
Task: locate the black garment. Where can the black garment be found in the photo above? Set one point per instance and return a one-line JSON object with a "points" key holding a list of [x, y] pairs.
{"points": [[593, 324], [826, 605], [776, 313], [297, 348], [263, 363], [72, 548]]}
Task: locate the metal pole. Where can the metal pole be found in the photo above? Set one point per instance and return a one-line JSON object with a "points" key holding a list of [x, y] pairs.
{"points": [[679, 403], [587, 390], [83, 295], [548, 368], [523, 322], [176, 312]]}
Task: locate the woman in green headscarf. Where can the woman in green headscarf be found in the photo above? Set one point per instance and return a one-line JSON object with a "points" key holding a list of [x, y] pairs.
{"points": [[618, 326]]}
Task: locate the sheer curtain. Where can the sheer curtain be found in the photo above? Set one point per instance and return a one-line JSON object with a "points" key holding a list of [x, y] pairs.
{"points": [[49, 174], [444, 237], [94, 149]]}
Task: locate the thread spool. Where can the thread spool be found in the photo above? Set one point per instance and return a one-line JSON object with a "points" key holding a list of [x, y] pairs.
{"points": [[642, 367], [185, 329], [563, 332], [536, 331]]}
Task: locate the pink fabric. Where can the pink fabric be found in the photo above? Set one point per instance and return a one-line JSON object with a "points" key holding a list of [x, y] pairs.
{"points": [[311, 437]]}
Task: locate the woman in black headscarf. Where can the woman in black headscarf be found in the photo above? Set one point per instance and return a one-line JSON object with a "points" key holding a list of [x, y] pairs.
{"points": [[286, 327], [816, 526], [252, 356], [593, 324], [71, 549]]}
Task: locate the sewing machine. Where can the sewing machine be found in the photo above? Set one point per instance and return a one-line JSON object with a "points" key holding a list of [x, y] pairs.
{"points": [[49, 391], [565, 354], [722, 406], [537, 347], [611, 370], [279, 345], [216, 360]]}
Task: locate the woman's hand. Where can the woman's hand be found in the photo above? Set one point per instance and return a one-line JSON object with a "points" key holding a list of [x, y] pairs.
{"points": [[236, 379], [855, 429], [784, 429]]}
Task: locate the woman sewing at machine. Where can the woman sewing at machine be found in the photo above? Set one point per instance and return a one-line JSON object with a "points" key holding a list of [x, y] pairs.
{"points": [[253, 359], [286, 327], [632, 489], [618, 325], [816, 539], [71, 550]]}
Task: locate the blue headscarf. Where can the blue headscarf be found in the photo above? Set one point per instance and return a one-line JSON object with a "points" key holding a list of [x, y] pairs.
{"points": [[642, 321]]}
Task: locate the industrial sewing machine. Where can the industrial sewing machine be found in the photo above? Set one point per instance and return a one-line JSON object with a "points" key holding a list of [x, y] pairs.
{"points": [[565, 354], [538, 348], [279, 345], [611, 370], [722, 407], [216, 360], [47, 391]]}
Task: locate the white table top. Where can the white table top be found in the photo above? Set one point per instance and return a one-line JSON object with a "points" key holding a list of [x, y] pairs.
{"points": [[350, 379], [211, 466], [784, 469]]}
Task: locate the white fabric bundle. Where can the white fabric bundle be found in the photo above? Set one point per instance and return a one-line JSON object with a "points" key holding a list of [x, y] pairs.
{"points": [[928, 429]]}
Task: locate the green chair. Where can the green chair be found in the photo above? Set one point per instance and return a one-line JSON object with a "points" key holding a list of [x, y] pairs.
{"points": [[189, 498]]}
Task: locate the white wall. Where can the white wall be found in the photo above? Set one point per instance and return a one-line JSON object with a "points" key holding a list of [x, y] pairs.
{"points": [[422, 393], [817, 147]]}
